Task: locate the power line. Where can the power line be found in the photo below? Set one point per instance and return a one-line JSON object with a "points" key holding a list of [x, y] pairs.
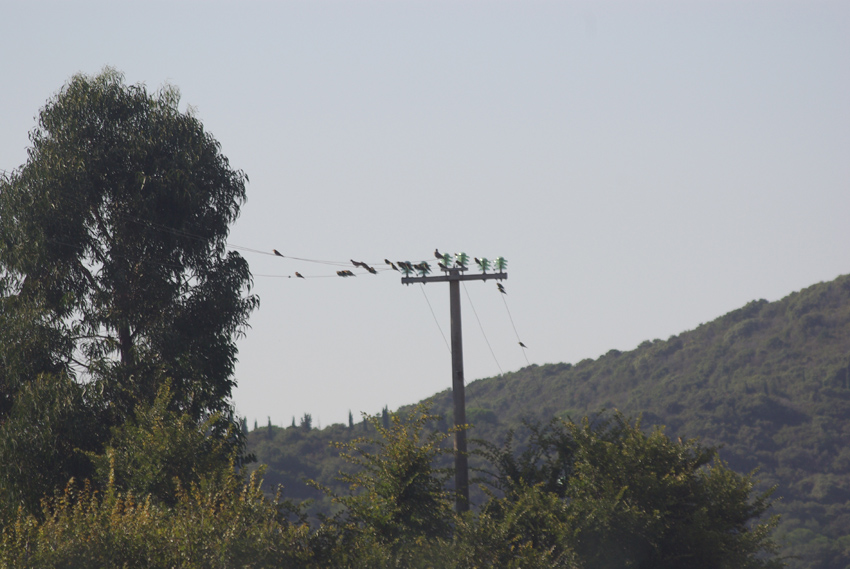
{"points": [[195, 236], [435, 318], [521, 345], [475, 312]]}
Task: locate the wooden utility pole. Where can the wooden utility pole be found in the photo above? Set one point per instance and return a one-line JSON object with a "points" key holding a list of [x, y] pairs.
{"points": [[453, 276]]}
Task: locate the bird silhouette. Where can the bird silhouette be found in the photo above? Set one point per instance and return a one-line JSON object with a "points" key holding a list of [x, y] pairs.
{"points": [[523, 345], [276, 252], [437, 254], [393, 266], [501, 288], [442, 267], [299, 275]]}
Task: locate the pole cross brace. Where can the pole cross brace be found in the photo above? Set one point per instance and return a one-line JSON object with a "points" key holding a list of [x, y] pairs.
{"points": [[454, 275]]}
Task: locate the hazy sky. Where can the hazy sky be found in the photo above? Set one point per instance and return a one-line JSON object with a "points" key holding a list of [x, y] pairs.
{"points": [[643, 166]]}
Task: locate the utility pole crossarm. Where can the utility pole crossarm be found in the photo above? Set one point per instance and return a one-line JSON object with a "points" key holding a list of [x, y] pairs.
{"points": [[454, 275]]}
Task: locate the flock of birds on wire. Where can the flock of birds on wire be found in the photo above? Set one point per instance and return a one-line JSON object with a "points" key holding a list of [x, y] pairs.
{"points": [[445, 262]]}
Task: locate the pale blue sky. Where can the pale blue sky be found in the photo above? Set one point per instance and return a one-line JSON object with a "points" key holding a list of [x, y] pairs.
{"points": [[643, 166]]}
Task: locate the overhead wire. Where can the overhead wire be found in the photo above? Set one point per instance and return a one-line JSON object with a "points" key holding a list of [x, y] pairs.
{"points": [[437, 322], [475, 312], [521, 345], [378, 265], [196, 236]]}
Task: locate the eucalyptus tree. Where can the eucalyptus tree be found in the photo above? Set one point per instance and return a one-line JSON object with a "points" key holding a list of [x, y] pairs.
{"points": [[114, 268]]}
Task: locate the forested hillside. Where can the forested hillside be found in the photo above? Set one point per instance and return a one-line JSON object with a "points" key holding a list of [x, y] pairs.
{"points": [[769, 383]]}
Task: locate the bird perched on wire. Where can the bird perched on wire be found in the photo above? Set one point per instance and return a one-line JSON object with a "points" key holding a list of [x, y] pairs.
{"points": [[523, 345], [276, 252], [438, 254], [501, 288], [299, 275]]}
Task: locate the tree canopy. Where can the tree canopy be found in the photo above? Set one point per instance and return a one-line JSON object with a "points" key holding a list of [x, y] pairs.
{"points": [[113, 260]]}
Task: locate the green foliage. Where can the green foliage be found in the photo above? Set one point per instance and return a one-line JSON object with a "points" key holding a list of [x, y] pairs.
{"points": [[307, 422], [32, 342], [528, 531], [222, 521], [619, 497], [42, 442], [546, 462], [397, 493], [113, 262], [632, 500], [160, 450], [641, 500]]}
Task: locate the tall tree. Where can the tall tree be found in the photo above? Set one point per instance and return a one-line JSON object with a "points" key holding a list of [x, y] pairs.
{"points": [[113, 260]]}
